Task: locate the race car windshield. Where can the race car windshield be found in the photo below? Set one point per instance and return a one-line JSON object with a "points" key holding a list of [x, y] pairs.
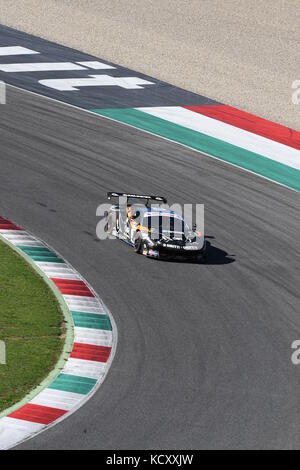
{"points": [[166, 224]]}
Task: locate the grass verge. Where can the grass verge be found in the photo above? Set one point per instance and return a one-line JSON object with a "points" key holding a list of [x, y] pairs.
{"points": [[31, 325]]}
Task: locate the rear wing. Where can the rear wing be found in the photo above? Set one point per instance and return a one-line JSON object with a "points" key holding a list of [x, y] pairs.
{"points": [[147, 198]]}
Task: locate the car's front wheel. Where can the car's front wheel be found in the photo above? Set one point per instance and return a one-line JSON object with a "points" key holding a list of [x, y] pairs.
{"points": [[137, 244], [110, 225]]}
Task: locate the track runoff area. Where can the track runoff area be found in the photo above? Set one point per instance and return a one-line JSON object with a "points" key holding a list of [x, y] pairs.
{"points": [[243, 140]]}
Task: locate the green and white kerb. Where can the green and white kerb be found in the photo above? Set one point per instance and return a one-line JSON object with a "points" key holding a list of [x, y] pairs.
{"points": [[89, 355]]}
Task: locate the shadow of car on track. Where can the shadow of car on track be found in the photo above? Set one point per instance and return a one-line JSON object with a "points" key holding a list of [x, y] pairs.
{"points": [[214, 256]]}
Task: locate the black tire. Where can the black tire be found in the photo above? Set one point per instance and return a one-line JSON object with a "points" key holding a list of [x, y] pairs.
{"points": [[109, 225], [137, 244]]}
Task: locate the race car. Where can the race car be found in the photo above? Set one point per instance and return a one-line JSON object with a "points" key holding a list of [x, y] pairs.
{"points": [[152, 230]]}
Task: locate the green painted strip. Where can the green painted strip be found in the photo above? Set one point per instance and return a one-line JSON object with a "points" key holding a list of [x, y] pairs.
{"points": [[40, 254], [48, 254], [91, 320], [34, 249], [73, 383], [222, 150]]}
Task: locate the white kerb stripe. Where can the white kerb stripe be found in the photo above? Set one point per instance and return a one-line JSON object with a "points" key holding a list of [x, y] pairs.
{"points": [[15, 430], [15, 50], [84, 304], [87, 309], [57, 399], [10, 232], [92, 336], [22, 240], [81, 300], [91, 369], [233, 135]]}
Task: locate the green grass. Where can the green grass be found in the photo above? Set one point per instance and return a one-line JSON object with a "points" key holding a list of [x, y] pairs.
{"points": [[31, 324]]}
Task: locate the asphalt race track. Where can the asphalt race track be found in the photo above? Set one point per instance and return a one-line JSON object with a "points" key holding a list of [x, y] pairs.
{"points": [[204, 351]]}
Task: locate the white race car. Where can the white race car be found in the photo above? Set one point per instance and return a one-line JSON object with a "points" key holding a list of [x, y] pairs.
{"points": [[155, 232]]}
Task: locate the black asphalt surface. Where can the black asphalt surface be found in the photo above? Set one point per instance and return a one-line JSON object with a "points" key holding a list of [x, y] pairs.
{"points": [[204, 351]]}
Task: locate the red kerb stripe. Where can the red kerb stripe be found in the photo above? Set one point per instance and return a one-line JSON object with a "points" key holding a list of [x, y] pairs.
{"points": [[90, 352], [7, 225], [37, 413], [72, 287]]}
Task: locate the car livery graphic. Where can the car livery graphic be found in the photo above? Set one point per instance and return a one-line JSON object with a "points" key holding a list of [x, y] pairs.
{"points": [[152, 230]]}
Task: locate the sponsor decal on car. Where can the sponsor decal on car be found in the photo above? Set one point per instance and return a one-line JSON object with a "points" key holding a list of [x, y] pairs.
{"points": [[153, 253], [171, 246]]}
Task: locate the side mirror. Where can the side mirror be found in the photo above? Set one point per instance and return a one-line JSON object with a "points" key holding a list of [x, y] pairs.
{"points": [[136, 215]]}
